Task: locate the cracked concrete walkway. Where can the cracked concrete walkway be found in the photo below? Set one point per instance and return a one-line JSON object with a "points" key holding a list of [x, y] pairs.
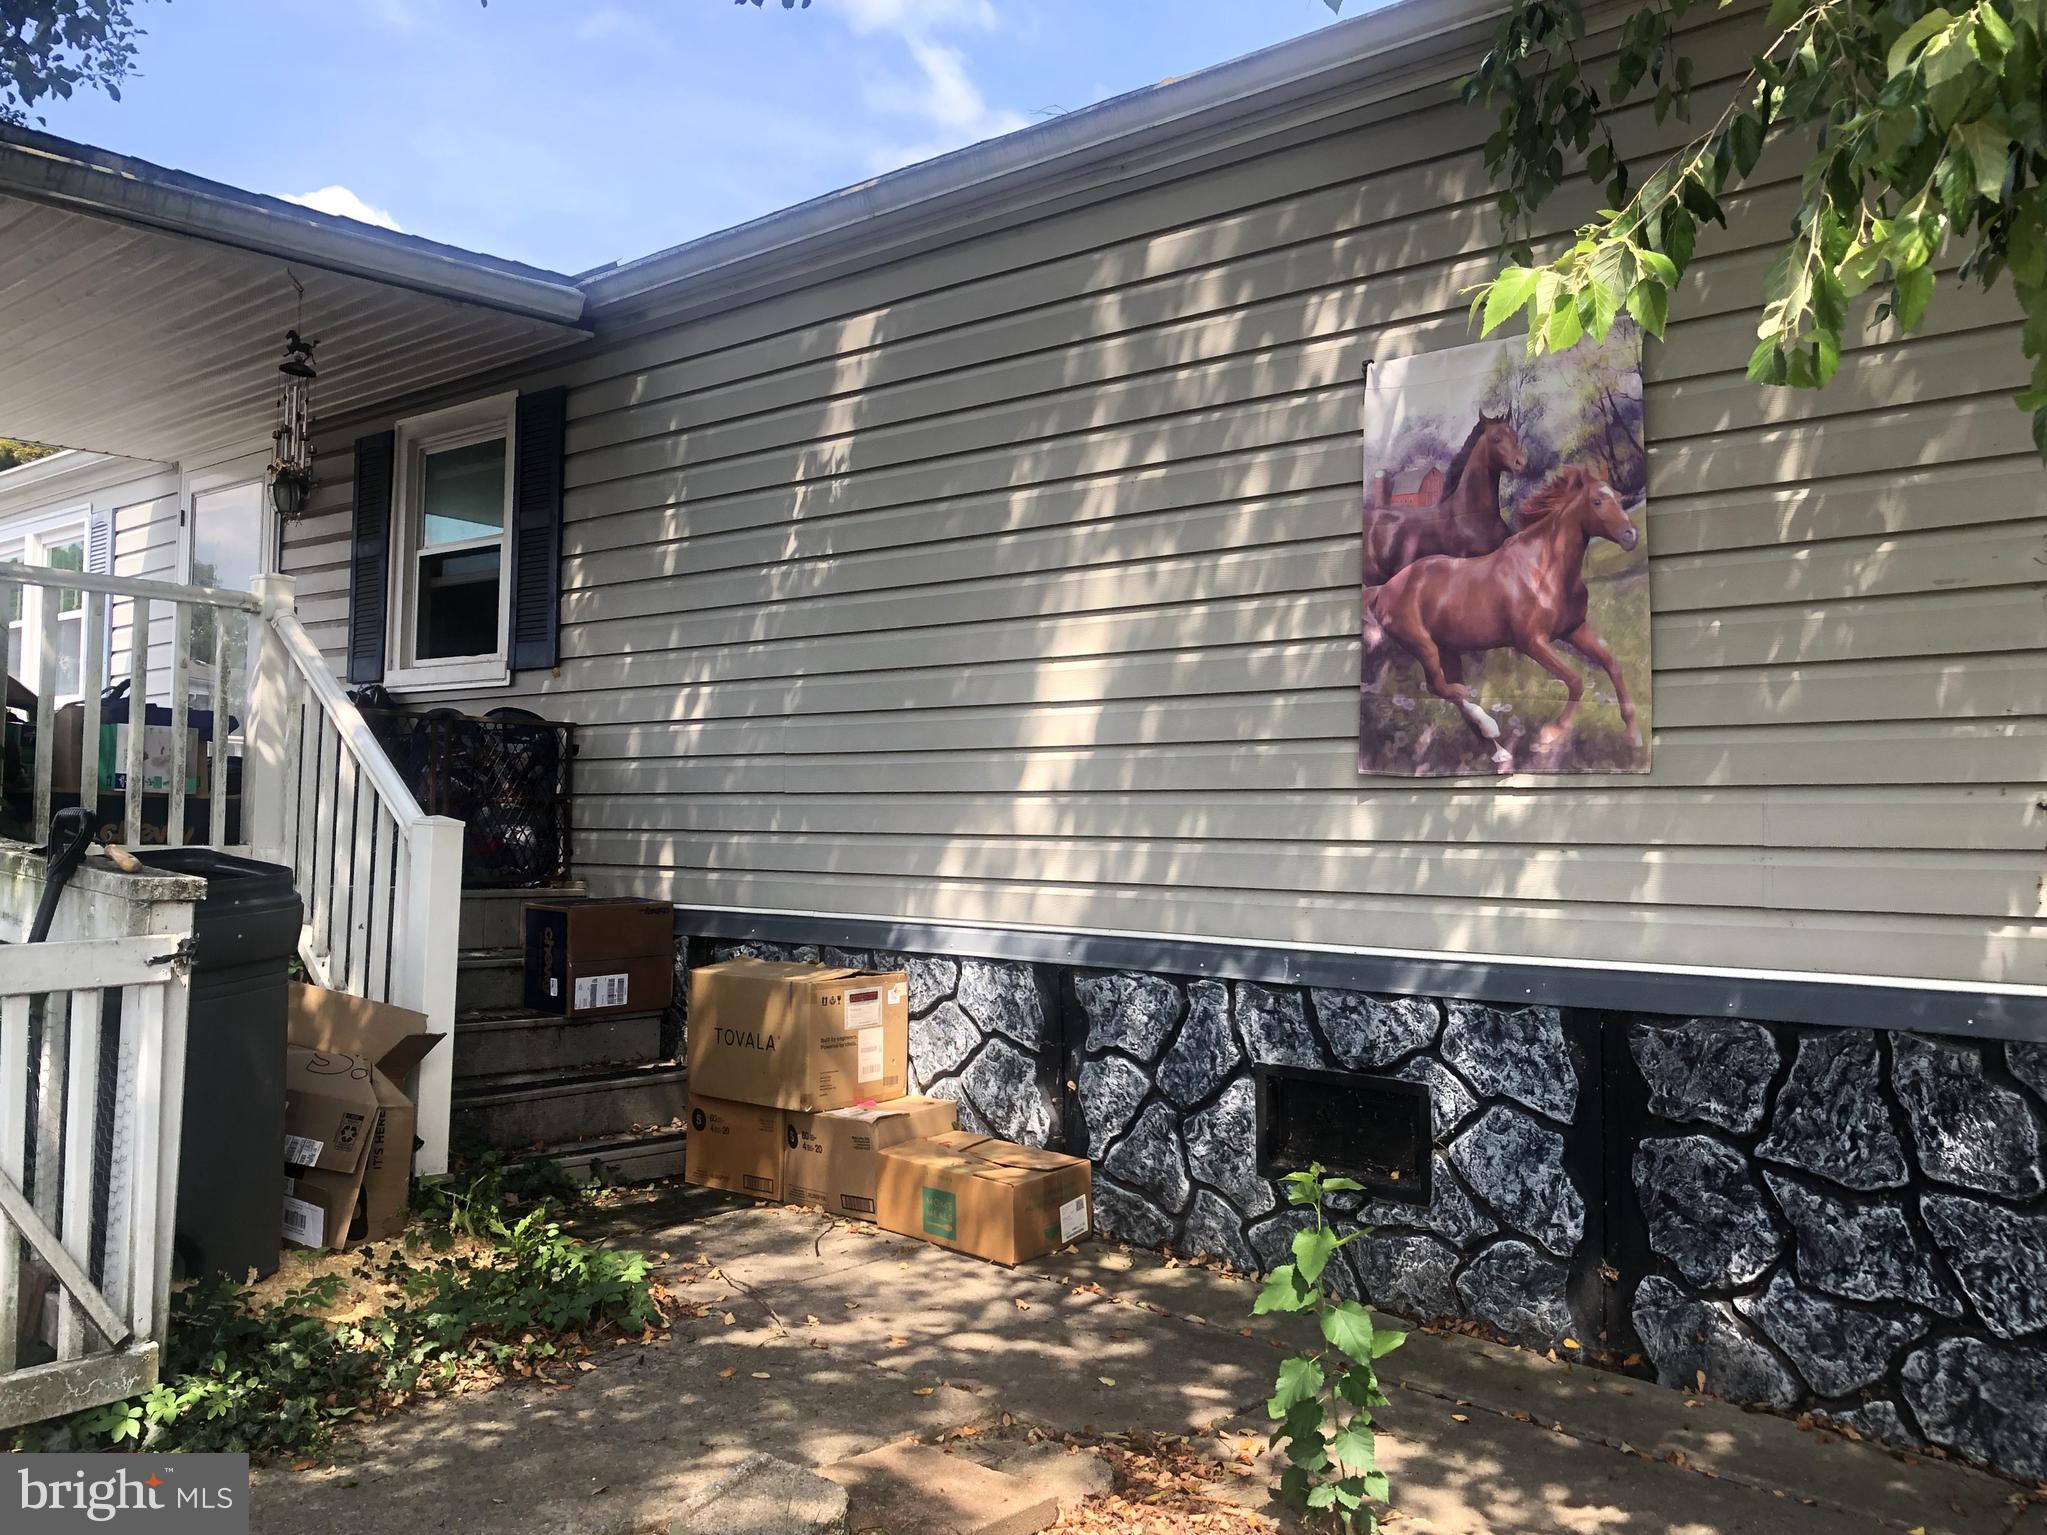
{"points": [[843, 1339]]}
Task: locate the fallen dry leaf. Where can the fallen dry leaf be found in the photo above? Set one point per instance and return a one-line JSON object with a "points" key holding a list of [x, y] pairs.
{"points": [[922, 1390], [728, 1372], [1107, 1380], [1460, 1417], [761, 1375]]}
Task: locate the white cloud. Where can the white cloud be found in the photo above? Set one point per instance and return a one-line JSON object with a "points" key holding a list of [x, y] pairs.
{"points": [[343, 203], [941, 97]]}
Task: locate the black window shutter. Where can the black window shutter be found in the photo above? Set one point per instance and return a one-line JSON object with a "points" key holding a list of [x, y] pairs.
{"points": [[537, 529], [369, 565]]}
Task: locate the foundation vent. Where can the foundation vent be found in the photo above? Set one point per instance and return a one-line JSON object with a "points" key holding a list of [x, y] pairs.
{"points": [[1373, 1129]]}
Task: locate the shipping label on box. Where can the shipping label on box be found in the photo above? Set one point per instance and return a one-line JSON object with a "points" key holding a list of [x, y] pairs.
{"points": [[599, 958], [984, 1196], [737, 1147], [798, 1036], [834, 1158]]}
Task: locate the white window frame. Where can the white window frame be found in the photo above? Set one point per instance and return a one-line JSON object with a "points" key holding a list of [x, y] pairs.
{"points": [[192, 483], [34, 535], [459, 426]]}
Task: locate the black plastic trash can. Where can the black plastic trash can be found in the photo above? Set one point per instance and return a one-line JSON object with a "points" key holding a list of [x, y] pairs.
{"points": [[231, 1149]]}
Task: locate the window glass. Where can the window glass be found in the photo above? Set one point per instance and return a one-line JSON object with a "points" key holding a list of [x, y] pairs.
{"points": [[68, 555], [458, 604], [227, 536], [62, 548], [227, 551], [463, 490]]}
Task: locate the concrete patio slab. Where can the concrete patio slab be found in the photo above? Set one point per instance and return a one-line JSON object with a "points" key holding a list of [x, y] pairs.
{"points": [[843, 1340]]}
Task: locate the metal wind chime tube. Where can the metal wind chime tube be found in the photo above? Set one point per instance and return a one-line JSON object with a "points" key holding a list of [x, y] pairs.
{"points": [[291, 464]]}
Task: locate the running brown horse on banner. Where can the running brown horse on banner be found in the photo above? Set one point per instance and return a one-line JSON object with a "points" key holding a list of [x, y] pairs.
{"points": [[1526, 595], [1465, 519]]}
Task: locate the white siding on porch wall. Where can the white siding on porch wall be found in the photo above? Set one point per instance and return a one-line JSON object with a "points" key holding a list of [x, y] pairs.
{"points": [[1015, 582]]}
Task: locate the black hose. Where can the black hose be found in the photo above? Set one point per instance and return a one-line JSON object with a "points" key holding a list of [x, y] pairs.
{"points": [[70, 836]]}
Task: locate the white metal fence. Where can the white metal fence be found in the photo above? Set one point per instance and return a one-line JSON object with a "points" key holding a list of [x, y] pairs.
{"points": [[92, 1059]]}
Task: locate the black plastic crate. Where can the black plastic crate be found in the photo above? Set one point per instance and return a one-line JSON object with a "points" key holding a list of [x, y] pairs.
{"points": [[506, 776]]}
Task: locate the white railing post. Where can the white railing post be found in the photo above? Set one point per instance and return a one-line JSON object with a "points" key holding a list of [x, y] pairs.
{"points": [[266, 739], [430, 917]]}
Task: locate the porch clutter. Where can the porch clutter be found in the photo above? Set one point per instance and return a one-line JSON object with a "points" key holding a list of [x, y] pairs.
{"points": [[798, 1036], [348, 1124], [832, 1160], [797, 1073], [978, 1195], [598, 959]]}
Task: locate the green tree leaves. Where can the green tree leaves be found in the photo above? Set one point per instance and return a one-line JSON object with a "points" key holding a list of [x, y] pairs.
{"points": [[52, 48], [1924, 131]]}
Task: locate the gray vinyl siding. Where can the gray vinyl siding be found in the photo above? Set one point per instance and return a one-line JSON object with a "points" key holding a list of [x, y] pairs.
{"points": [[1015, 582]]}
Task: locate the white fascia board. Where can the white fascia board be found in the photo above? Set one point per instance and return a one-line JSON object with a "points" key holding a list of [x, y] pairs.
{"points": [[47, 169]]}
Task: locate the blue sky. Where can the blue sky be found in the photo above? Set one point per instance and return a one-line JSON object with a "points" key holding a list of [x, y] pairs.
{"points": [[573, 132]]}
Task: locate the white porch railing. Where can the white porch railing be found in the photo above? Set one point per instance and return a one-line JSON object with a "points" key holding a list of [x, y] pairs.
{"points": [[92, 1062], [381, 880]]}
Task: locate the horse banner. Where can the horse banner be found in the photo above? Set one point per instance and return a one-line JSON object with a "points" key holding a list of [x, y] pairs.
{"points": [[1506, 561]]}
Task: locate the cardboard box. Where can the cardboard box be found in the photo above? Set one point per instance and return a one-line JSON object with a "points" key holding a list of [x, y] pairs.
{"points": [[834, 1158], [348, 1124], [600, 959], [735, 1146], [68, 760], [795, 1036], [978, 1195]]}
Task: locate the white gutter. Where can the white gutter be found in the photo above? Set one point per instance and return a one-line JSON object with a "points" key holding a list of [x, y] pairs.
{"points": [[1319, 62], [51, 170]]}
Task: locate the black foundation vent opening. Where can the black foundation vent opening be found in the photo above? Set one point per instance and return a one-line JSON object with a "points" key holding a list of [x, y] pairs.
{"points": [[1373, 1129]]}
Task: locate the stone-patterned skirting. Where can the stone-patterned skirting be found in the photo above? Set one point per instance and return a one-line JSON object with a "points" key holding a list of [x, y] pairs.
{"points": [[1841, 1220]]}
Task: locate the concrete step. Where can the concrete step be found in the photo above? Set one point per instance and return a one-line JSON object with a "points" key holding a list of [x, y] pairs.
{"points": [[496, 919], [489, 978], [540, 1108], [920, 1487], [629, 1158], [501, 1041]]}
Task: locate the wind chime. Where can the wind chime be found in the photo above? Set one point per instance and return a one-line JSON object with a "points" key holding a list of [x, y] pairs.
{"points": [[291, 463]]}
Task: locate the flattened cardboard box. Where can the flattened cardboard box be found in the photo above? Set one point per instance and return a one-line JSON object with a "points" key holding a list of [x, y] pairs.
{"points": [[979, 1195], [600, 959], [348, 1138], [795, 1036], [834, 1158], [348, 1122], [735, 1146]]}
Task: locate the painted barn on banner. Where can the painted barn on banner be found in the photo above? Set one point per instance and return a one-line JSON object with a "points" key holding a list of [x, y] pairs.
{"points": [[962, 572]]}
